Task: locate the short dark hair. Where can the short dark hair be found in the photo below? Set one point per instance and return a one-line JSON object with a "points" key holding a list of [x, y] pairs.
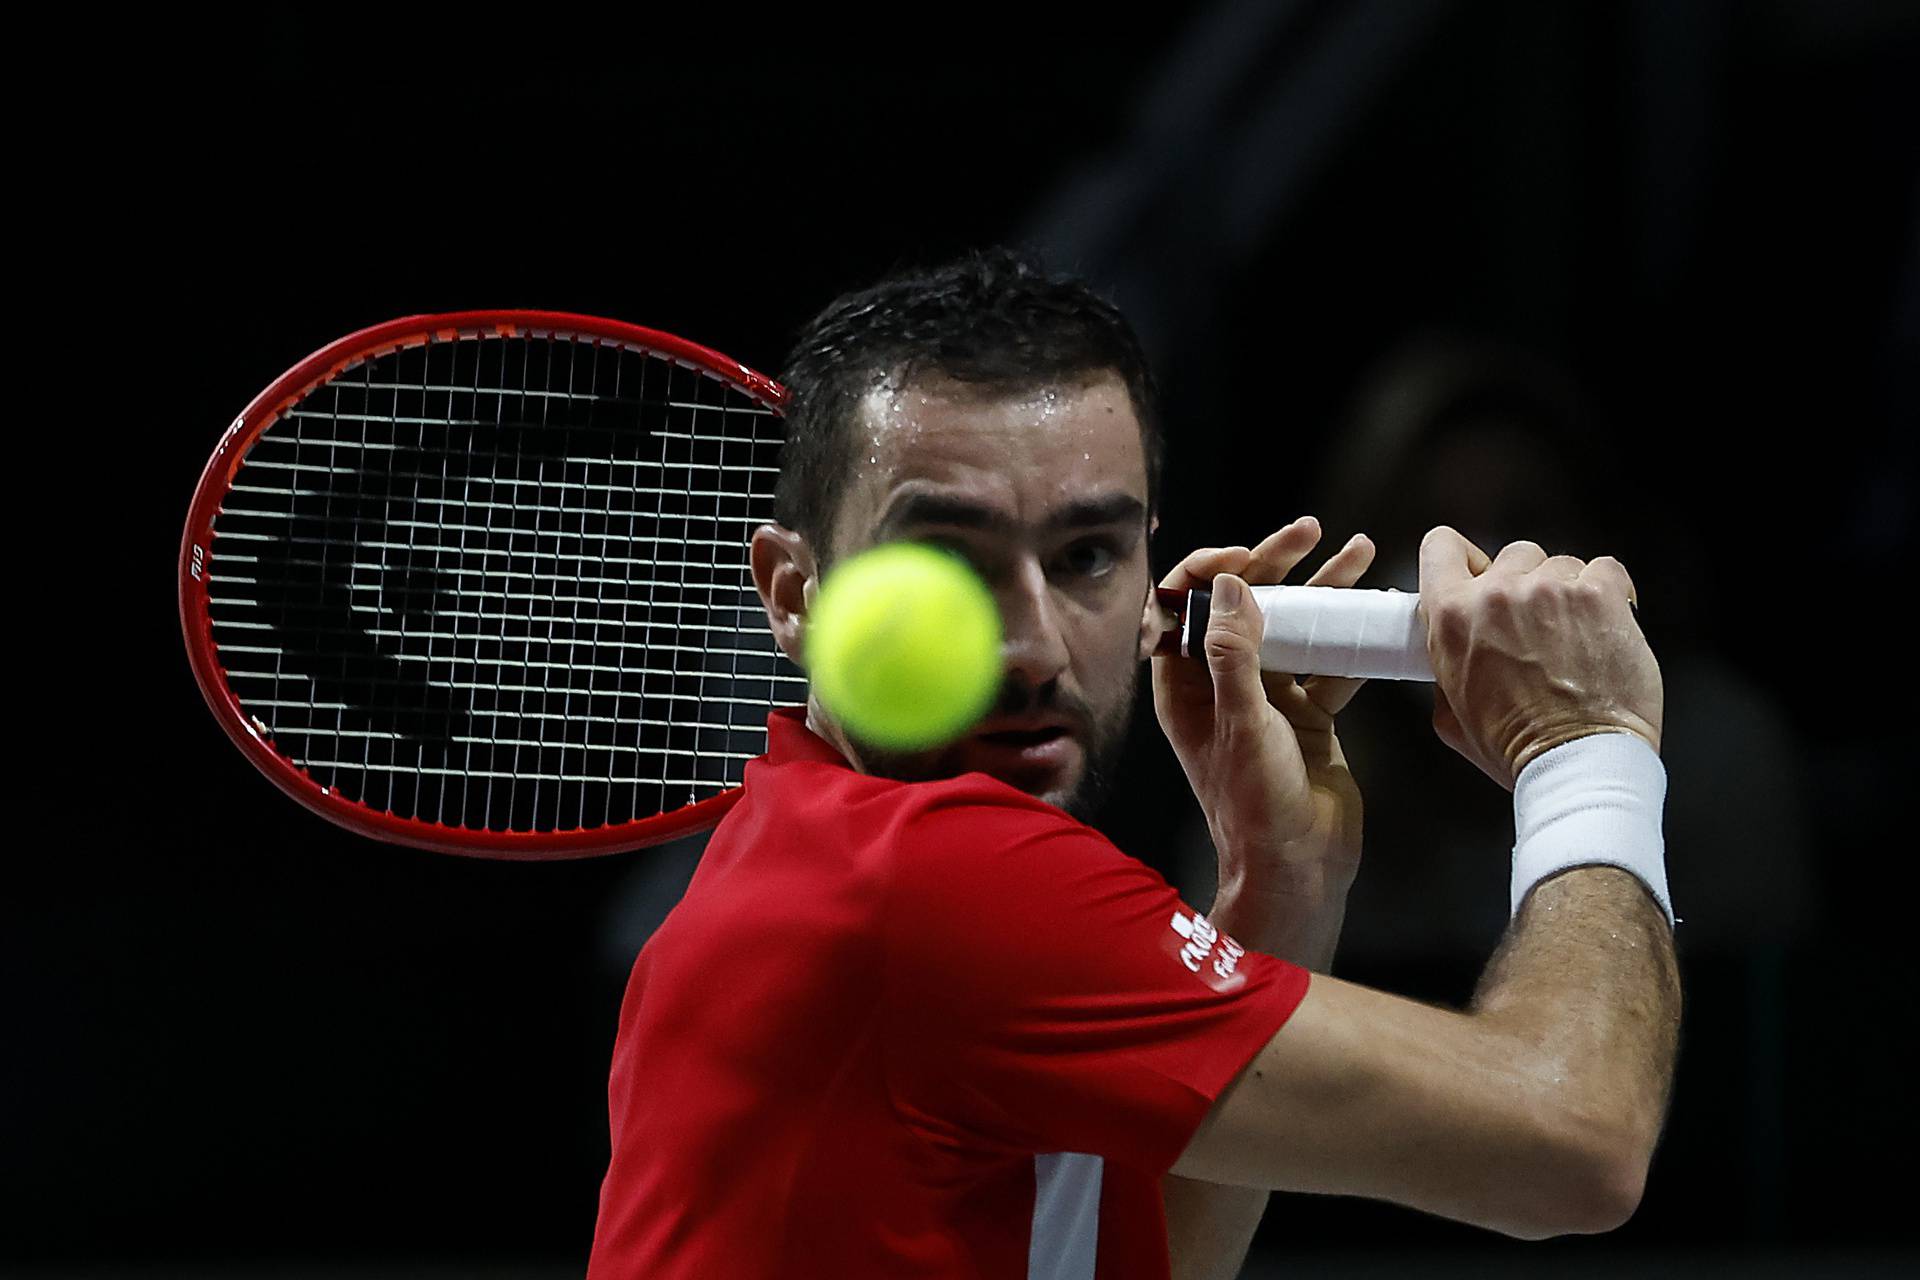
{"points": [[994, 317]]}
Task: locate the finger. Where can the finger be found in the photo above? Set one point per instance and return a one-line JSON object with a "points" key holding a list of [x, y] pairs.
{"points": [[1280, 551], [1614, 575], [1447, 560], [1331, 693], [1179, 678], [1200, 568], [1347, 564], [1567, 567], [1234, 628], [1520, 557]]}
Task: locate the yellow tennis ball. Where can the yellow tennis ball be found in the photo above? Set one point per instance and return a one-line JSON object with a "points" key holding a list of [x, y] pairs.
{"points": [[903, 646]]}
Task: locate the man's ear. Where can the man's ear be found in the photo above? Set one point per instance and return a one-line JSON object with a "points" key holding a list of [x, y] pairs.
{"points": [[785, 575]]}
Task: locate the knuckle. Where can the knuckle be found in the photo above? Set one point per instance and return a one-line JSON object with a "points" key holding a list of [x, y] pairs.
{"points": [[1225, 656], [1542, 597], [1227, 643], [1589, 593], [1506, 596]]}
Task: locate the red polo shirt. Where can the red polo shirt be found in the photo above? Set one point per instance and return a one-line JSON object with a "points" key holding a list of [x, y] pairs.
{"points": [[916, 1029]]}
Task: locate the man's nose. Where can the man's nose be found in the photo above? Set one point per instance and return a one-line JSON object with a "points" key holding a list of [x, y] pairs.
{"points": [[1034, 645]]}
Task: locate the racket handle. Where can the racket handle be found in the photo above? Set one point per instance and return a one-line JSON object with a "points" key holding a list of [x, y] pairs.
{"points": [[1317, 631]]}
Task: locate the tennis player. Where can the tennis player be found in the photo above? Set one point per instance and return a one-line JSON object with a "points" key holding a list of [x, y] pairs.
{"points": [[915, 1018]]}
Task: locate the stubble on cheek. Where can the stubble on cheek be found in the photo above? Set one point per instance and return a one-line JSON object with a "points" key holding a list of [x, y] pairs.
{"points": [[1105, 744]]}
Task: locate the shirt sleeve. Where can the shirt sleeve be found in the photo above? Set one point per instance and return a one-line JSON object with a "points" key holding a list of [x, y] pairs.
{"points": [[1046, 992]]}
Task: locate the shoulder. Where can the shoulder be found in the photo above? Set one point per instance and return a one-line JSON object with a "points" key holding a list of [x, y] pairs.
{"points": [[942, 846], [978, 798], [980, 828], [983, 876]]}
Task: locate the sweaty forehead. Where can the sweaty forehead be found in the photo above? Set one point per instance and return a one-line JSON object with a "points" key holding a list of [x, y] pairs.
{"points": [[1026, 452]]}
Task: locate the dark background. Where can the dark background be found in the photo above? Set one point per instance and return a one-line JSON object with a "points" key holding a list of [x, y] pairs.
{"points": [[1636, 278]]}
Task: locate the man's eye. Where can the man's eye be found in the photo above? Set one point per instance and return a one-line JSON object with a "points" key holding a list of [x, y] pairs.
{"points": [[1092, 559]]}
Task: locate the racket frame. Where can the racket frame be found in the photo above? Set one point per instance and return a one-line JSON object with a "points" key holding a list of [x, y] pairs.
{"points": [[196, 543]]}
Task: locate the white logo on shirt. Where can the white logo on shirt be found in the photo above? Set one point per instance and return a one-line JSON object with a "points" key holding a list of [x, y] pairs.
{"points": [[1200, 937]]}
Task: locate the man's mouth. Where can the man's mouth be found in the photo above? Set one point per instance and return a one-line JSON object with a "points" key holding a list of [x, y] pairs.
{"points": [[1028, 748], [1023, 737]]}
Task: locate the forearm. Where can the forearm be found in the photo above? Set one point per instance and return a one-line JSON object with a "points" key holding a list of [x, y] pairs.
{"points": [[1297, 917], [1534, 1113], [1587, 979], [1210, 1226]]}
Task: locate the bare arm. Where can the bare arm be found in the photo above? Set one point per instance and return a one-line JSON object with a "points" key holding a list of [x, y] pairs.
{"points": [[1535, 1114], [1210, 1224], [1288, 850]]}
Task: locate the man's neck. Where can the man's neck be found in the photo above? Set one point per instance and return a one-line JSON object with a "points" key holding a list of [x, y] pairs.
{"points": [[821, 726]]}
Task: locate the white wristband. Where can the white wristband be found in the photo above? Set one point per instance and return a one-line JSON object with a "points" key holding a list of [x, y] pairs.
{"points": [[1595, 800]]}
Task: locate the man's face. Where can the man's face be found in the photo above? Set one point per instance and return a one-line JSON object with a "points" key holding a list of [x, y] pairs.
{"points": [[1044, 492]]}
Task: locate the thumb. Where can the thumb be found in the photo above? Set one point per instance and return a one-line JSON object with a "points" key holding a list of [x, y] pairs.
{"points": [[1446, 560], [1234, 629]]}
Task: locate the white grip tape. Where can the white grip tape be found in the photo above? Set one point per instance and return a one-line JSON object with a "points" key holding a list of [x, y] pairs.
{"points": [[1595, 800], [1341, 631]]}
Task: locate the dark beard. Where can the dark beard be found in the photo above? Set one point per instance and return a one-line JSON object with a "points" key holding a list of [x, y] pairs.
{"points": [[1107, 745]]}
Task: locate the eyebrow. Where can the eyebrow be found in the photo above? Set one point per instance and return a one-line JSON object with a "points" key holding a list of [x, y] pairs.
{"points": [[919, 507]]}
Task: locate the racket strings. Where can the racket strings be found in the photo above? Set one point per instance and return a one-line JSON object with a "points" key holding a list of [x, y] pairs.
{"points": [[501, 583]]}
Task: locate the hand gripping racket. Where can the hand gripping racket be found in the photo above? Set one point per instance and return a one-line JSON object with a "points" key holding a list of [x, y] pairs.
{"points": [[478, 583]]}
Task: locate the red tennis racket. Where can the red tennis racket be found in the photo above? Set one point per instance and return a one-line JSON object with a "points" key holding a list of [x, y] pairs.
{"points": [[478, 583]]}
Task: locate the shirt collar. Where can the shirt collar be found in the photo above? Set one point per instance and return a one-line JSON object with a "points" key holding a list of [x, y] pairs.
{"points": [[789, 741]]}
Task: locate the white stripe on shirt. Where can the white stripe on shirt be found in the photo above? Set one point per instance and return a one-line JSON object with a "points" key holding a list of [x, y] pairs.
{"points": [[1066, 1216]]}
